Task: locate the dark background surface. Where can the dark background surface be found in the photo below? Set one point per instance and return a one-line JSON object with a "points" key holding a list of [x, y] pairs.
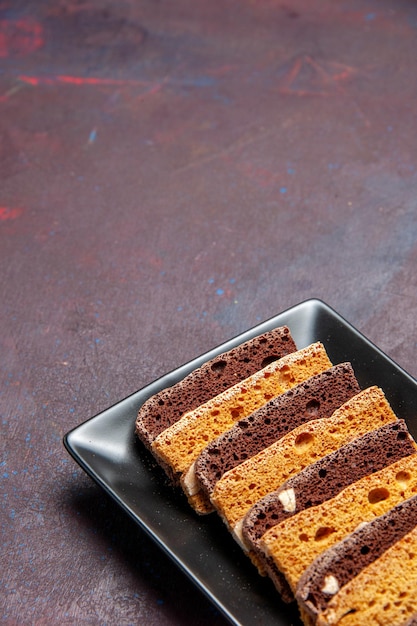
{"points": [[171, 174]]}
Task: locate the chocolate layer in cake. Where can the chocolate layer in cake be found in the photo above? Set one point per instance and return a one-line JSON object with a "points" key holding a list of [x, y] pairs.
{"points": [[241, 487], [178, 446], [327, 477], [383, 592], [319, 396], [225, 370], [319, 482], [297, 541], [338, 565]]}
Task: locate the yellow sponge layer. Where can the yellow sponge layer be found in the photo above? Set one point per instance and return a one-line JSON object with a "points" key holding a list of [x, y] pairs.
{"points": [[179, 445], [296, 542], [382, 593], [238, 490]]}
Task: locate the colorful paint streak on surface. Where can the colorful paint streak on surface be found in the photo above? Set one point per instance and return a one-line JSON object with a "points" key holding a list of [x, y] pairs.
{"points": [[77, 80], [20, 37], [9, 213]]}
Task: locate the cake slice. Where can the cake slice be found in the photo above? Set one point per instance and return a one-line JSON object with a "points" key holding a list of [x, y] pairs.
{"points": [[238, 490], [178, 446], [317, 397], [338, 565], [295, 543], [319, 482], [326, 477], [225, 370], [382, 593]]}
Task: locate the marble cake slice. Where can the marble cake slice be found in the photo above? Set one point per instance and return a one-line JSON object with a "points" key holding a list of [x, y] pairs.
{"points": [[317, 397], [223, 371], [178, 446], [240, 488], [324, 479], [338, 565], [383, 593], [295, 543]]}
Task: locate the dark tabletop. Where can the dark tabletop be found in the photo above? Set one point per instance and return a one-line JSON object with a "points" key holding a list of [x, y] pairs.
{"points": [[171, 174]]}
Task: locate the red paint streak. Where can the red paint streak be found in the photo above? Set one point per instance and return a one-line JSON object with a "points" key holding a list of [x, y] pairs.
{"points": [[8, 213], [78, 81], [20, 37]]}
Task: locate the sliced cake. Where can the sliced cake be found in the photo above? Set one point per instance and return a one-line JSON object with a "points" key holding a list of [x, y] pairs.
{"points": [[317, 397], [225, 370], [326, 477], [383, 593], [238, 490], [319, 482], [295, 543], [178, 446], [338, 565]]}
